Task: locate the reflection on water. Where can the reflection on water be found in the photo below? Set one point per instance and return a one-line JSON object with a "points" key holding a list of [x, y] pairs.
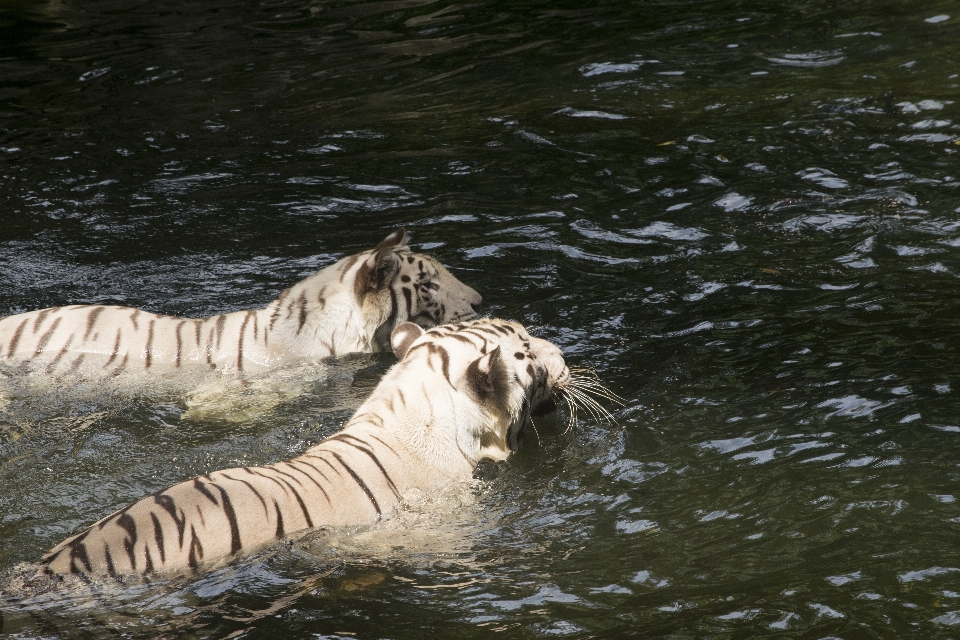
{"points": [[744, 217]]}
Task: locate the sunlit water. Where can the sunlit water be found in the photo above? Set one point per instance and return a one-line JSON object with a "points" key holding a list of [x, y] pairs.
{"points": [[744, 215]]}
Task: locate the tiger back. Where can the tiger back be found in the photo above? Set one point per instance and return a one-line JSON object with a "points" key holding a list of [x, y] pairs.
{"points": [[349, 306], [459, 393]]}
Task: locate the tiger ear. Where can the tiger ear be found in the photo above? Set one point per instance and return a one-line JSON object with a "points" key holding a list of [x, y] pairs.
{"points": [[405, 334], [382, 265], [395, 239], [487, 373], [387, 266]]}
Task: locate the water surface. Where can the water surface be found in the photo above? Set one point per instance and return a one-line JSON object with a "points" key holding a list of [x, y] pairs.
{"points": [[744, 215]]}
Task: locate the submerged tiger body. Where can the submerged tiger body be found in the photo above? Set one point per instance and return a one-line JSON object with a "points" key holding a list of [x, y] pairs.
{"points": [[459, 393], [350, 306]]}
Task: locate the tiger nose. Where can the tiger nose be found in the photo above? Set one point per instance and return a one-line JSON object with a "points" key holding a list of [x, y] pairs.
{"points": [[476, 302]]}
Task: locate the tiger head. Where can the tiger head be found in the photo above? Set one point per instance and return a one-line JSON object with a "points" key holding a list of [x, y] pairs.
{"points": [[354, 304], [482, 379], [412, 286]]}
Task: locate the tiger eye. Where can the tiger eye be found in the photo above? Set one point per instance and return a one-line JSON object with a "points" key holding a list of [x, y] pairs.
{"points": [[519, 356]]}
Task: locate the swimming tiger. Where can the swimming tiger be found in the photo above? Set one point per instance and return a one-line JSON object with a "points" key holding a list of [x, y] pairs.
{"points": [[458, 394], [351, 305]]}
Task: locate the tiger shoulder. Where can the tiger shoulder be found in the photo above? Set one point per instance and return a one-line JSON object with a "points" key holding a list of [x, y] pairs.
{"points": [[349, 306]]}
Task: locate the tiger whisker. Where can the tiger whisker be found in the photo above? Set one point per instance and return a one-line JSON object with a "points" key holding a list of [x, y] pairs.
{"points": [[603, 393], [593, 394], [535, 430], [589, 398], [588, 370], [580, 392], [575, 398], [596, 388], [572, 409], [595, 409], [582, 403], [528, 417], [586, 377]]}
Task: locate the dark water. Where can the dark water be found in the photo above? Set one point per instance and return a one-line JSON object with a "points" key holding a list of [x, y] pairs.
{"points": [[744, 215]]}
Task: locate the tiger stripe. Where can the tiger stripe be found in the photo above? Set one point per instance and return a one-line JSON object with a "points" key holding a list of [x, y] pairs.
{"points": [[91, 320], [111, 569], [350, 306], [179, 350], [376, 461], [280, 530], [361, 483], [45, 338], [196, 549], [15, 340], [148, 350], [123, 365], [59, 356], [235, 545], [41, 316], [249, 486], [127, 523], [243, 328], [158, 537], [75, 365]]}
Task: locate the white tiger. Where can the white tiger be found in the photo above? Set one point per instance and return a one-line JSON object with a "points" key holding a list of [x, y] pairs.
{"points": [[459, 393], [350, 306]]}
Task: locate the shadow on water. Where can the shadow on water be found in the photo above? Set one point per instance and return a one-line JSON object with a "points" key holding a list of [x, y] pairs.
{"points": [[21, 22]]}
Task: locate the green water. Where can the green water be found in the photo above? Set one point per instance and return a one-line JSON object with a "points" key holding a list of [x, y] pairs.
{"points": [[744, 215]]}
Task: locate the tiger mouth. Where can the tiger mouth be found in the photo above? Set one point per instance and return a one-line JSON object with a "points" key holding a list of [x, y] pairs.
{"points": [[514, 434], [549, 405], [516, 431]]}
